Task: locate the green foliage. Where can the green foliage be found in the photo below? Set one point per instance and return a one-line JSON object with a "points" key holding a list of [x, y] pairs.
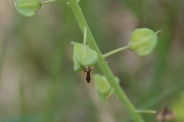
{"points": [[49, 82]]}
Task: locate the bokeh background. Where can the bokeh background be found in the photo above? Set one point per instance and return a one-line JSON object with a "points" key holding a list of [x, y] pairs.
{"points": [[37, 81]]}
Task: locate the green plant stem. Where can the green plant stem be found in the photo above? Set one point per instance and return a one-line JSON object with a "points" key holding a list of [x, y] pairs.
{"points": [[146, 111], [22, 102], [85, 36], [115, 51], [48, 1], [102, 63]]}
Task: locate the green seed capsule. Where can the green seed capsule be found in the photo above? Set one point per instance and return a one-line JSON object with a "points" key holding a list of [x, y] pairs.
{"points": [[83, 56], [143, 41], [77, 66], [27, 7], [103, 88]]}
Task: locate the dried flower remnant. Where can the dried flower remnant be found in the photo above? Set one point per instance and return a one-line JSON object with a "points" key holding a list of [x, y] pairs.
{"points": [[165, 115], [87, 70]]}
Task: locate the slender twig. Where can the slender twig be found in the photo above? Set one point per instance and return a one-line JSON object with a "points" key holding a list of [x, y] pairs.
{"points": [[102, 63]]}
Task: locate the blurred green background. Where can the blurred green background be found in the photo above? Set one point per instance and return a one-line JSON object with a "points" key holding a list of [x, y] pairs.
{"points": [[37, 81]]}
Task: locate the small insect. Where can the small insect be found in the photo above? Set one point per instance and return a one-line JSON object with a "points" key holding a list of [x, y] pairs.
{"points": [[87, 70]]}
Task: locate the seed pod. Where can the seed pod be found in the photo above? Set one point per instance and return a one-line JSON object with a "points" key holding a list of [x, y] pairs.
{"points": [[77, 66], [103, 88], [27, 7], [83, 56], [143, 41]]}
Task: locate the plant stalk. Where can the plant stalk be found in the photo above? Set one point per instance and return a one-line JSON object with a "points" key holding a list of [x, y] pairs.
{"points": [[115, 51], [102, 63], [146, 111], [48, 1]]}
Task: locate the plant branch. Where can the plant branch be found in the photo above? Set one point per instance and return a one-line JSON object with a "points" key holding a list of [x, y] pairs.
{"points": [[48, 1], [102, 63], [115, 51], [146, 111]]}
